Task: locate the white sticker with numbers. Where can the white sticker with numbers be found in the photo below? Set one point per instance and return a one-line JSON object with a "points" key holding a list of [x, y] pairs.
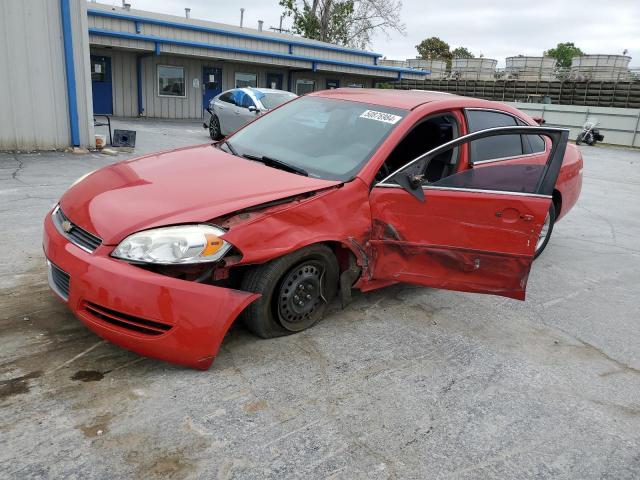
{"points": [[381, 116]]}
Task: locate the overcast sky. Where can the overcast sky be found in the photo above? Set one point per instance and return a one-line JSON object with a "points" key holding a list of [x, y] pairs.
{"points": [[495, 28]]}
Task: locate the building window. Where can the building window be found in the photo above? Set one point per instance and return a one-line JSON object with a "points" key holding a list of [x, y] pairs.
{"points": [[305, 86], [171, 82], [355, 85], [246, 80], [331, 84]]}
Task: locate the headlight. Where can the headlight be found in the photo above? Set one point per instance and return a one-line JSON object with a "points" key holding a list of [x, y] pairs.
{"points": [[174, 245]]}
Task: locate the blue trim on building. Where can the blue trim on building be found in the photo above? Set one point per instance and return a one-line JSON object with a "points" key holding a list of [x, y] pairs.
{"points": [[223, 48], [156, 47], [228, 33], [72, 98]]}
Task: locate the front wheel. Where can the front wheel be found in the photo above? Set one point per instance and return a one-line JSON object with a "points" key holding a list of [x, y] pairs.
{"points": [[579, 138], [545, 233], [295, 289]]}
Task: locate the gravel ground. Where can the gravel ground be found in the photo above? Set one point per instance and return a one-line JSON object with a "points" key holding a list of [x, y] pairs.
{"points": [[406, 382]]}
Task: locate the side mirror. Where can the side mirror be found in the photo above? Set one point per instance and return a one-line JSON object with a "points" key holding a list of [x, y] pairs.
{"points": [[411, 180], [254, 109]]}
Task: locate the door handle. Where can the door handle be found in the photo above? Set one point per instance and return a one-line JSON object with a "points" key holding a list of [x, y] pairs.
{"points": [[511, 215]]}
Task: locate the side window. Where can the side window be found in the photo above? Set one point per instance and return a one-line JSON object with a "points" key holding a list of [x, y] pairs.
{"points": [[493, 147], [498, 176], [533, 144], [247, 101], [426, 135], [227, 98]]}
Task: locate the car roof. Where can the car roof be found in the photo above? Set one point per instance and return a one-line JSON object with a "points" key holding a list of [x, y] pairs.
{"points": [[405, 99], [267, 90]]}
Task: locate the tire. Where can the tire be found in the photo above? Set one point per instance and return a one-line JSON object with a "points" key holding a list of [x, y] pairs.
{"points": [[214, 128], [543, 239], [579, 139], [282, 309], [590, 140]]}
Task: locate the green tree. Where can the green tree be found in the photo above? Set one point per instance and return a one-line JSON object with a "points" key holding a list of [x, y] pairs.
{"points": [[462, 52], [563, 53], [433, 48], [344, 22]]}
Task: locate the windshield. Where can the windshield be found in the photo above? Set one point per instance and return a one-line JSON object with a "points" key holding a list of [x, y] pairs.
{"points": [[329, 139], [273, 100]]}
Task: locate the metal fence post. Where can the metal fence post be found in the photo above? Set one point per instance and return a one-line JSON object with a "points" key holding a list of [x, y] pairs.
{"points": [[635, 131]]}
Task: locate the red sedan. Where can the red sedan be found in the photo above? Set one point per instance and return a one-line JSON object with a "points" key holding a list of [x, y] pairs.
{"points": [[336, 190]]}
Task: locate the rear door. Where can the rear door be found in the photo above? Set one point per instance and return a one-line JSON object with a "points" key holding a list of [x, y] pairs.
{"points": [[475, 230]]}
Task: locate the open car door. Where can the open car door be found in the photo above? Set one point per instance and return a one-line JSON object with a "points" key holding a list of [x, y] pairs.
{"points": [[473, 231]]}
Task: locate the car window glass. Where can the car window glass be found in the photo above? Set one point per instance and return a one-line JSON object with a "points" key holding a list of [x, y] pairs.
{"points": [[498, 176], [426, 135], [536, 144], [273, 100], [227, 97], [329, 138], [247, 101], [238, 96], [493, 147]]}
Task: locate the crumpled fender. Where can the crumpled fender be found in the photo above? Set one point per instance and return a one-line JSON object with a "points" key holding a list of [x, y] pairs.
{"points": [[339, 214]]}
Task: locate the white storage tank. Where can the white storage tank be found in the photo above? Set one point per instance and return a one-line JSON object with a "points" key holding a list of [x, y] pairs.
{"points": [[473, 68], [438, 68], [391, 63], [600, 68], [530, 68]]}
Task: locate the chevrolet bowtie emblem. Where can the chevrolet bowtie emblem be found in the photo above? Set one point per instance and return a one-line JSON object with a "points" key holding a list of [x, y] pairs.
{"points": [[66, 226]]}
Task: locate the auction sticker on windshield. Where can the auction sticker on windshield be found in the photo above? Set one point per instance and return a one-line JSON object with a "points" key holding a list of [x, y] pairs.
{"points": [[381, 116]]}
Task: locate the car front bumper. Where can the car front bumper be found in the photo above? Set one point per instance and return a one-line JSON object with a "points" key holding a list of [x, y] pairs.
{"points": [[154, 315]]}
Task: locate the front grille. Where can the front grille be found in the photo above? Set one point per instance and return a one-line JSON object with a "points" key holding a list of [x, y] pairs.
{"points": [[58, 280], [126, 321], [76, 235]]}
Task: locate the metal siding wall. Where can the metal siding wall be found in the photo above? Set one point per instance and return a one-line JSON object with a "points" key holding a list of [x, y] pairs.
{"points": [[34, 113], [217, 39], [321, 78], [124, 83]]}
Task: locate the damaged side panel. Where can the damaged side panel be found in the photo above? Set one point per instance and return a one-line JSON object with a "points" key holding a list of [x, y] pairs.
{"points": [[340, 214], [463, 241]]}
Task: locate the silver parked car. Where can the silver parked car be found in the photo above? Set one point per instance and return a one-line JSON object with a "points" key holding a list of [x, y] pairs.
{"points": [[231, 110]]}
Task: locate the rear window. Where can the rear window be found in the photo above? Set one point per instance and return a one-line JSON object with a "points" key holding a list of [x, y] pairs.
{"points": [[493, 147], [273, 100]]}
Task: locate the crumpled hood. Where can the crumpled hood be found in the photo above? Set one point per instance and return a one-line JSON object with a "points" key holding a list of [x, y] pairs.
{"points": [[193, 184]]}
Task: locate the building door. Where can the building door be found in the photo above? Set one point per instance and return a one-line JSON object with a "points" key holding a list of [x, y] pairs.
{"points": [[211, 84], [274, 80], [101, 85]]}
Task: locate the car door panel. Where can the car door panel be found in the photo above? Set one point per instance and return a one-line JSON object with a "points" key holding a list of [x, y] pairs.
{"points": [[464, 236], [443, 243]]}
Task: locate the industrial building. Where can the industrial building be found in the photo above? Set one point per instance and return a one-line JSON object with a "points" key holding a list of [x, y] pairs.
{"points": [[99, 59]]}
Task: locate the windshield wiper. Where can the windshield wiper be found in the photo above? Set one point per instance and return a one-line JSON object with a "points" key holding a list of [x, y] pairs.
{"points": [[274, 162], [229, 146]]}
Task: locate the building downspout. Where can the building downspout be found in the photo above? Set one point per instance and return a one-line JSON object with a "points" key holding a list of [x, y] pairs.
{"points": [[139, 84], [72, 99]]}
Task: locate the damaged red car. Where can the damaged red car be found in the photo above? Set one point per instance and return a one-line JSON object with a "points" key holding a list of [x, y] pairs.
{"points": [[341, 189]]}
